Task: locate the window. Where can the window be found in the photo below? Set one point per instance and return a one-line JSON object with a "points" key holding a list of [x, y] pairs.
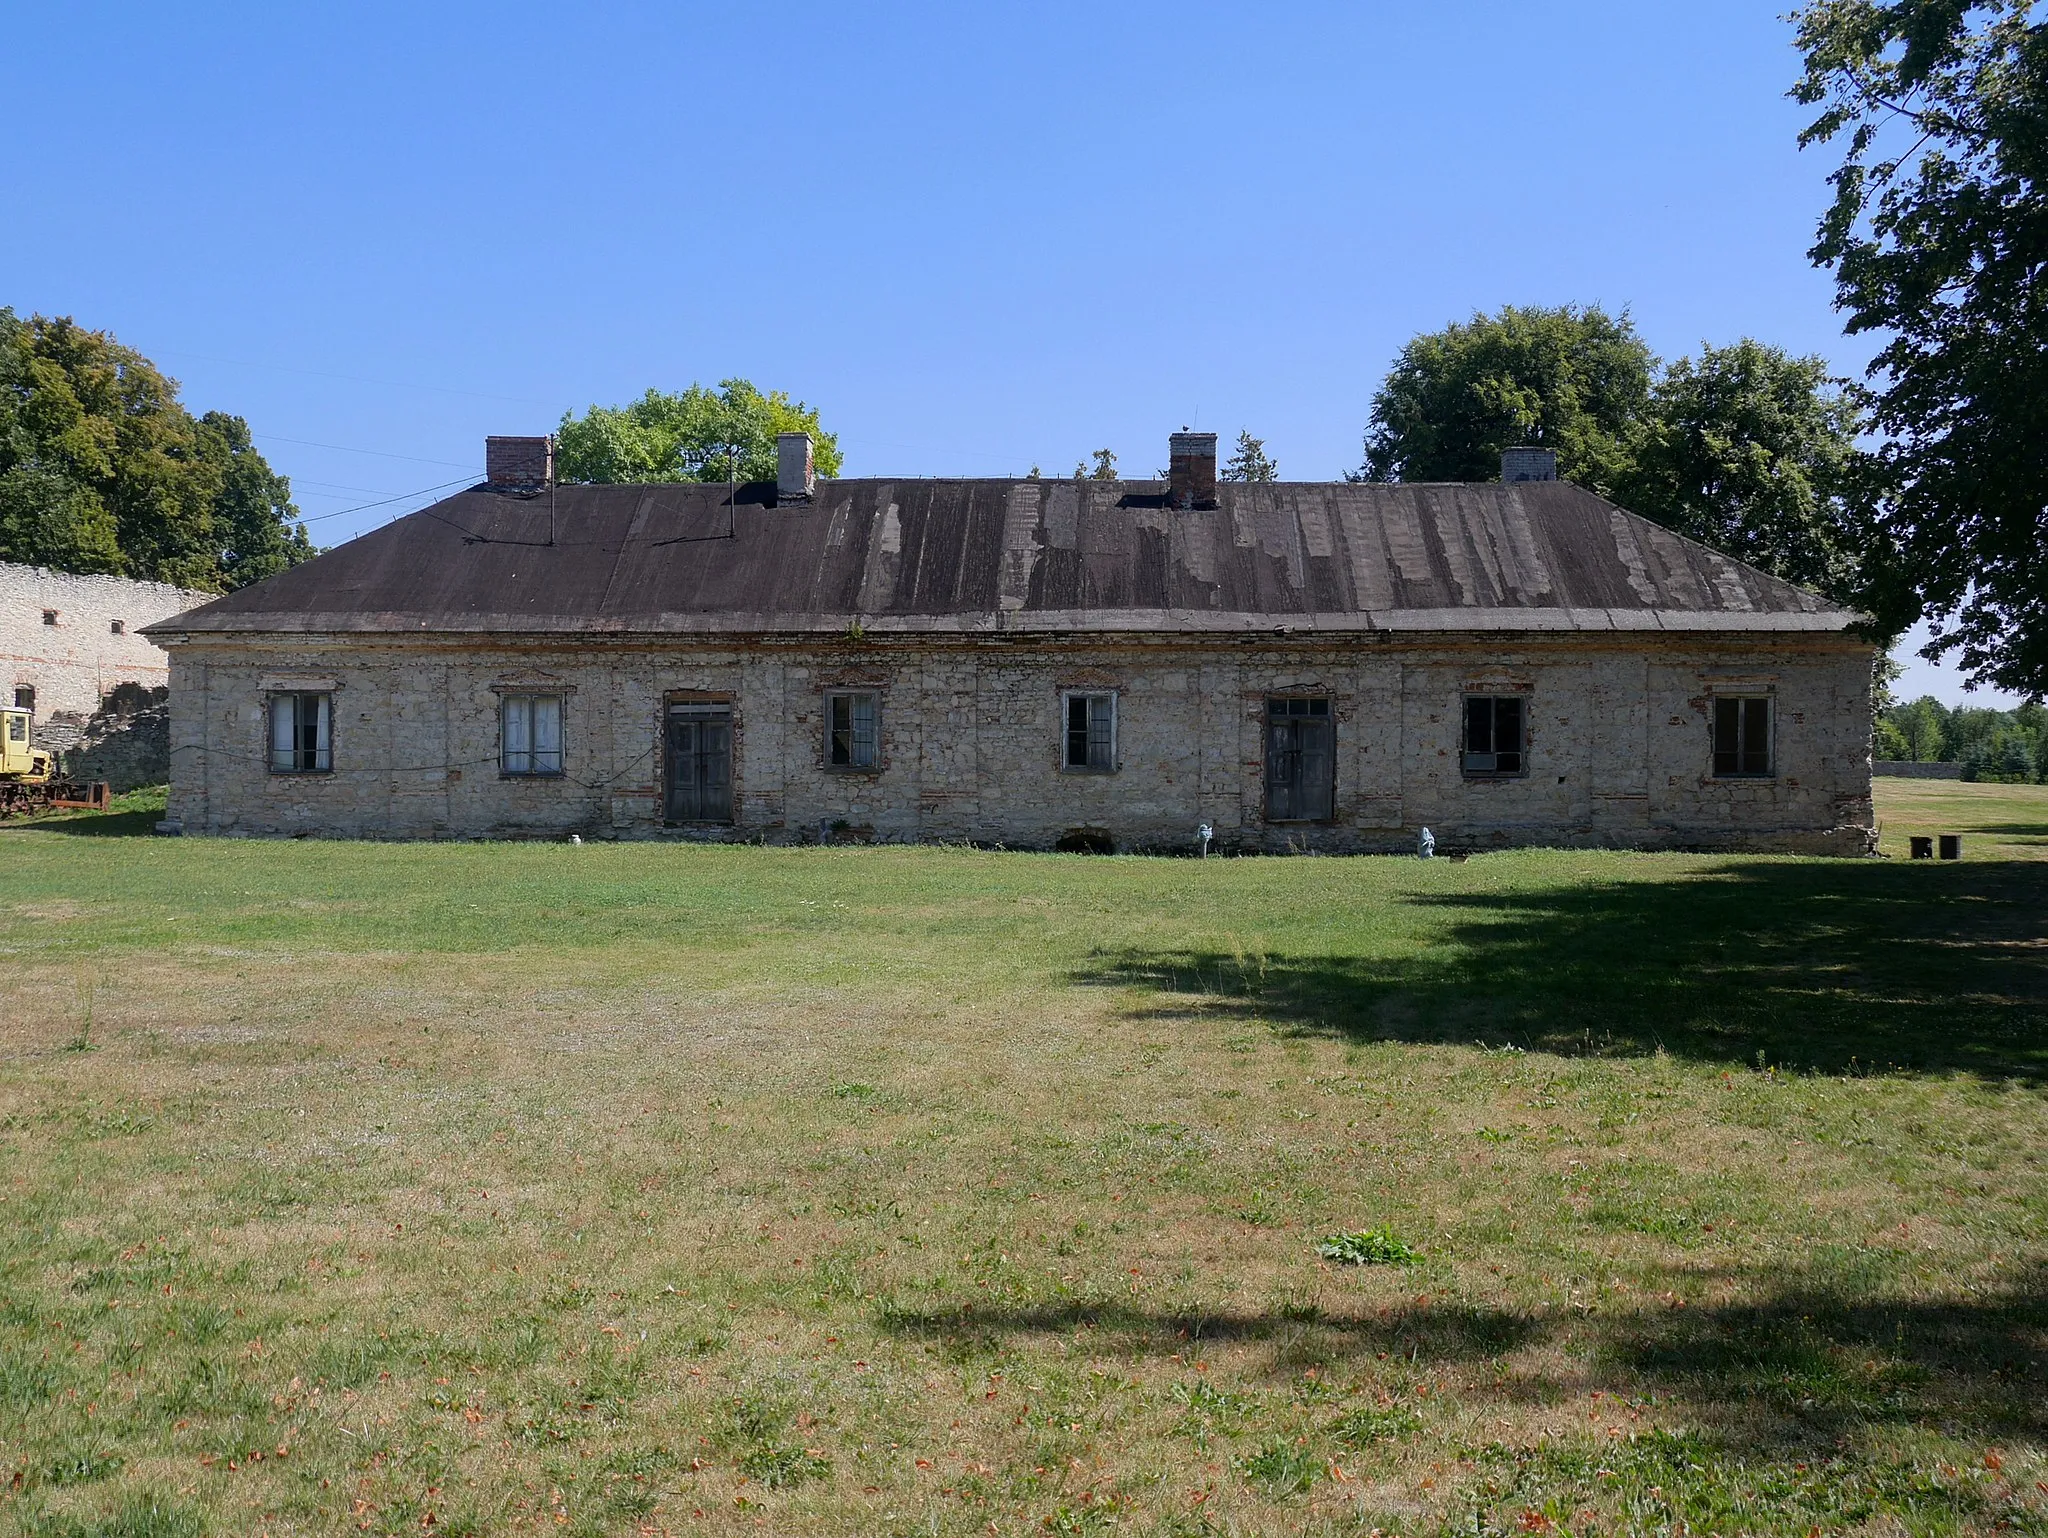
{"points": [[853, 738], [120, 627], [1742, 736], [530, 734], [24, 696], [1301, 761], [49, 616], [17, 728], [300, 725], [1494, 738], [1090, 733]]}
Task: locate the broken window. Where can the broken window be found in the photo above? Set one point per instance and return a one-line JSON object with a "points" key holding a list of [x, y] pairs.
{"points": [[1495, 739], [1301, 760], [1091, 733], [530, 734], [1742, 736], [300, 727], [853, 735]]}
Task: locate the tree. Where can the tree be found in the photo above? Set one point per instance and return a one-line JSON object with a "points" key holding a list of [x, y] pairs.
{"points": [[1936, 237], [1250, 463], [699, 435], [1753, 452], [253, 512], [1572, 378], [1105, 467], [103, 470]]}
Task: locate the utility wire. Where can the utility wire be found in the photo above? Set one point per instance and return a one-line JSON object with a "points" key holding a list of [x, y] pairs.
{"points": [[343, 512], [389, 384], [343, 448]]}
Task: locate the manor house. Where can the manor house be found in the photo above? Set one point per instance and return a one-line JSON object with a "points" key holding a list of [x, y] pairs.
{"points": [[1032, 663]]}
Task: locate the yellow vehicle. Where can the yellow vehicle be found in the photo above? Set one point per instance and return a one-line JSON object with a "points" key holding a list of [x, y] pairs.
{"points": [[26, 772]]}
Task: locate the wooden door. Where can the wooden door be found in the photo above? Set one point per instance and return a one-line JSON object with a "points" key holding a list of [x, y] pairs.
{"points": [[700, 763]]}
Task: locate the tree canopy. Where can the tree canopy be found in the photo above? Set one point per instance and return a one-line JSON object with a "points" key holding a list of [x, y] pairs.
{"points": [[2000, 745], [698, 435], [103, 470], [1936, 237], [1572, 378], [1746, 448], [1753, 452], [1250, 462]]}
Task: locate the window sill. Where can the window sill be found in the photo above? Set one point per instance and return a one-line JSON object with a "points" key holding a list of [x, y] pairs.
{"points": [[1743, 779], [1477, 777], [856, 771], [301, 774], [1094, 774], [532, 774]]}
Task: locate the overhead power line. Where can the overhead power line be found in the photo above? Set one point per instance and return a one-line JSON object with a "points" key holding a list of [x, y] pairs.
{"points": [[343, 448], [388, 384], [343, 512]]}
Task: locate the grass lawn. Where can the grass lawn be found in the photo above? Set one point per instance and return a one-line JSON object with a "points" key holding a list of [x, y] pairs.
{"points": [[616, 1189]]}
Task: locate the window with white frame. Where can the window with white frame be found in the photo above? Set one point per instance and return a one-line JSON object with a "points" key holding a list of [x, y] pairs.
{"points": [[1090, 735], [301, 727], [1742, 736], [530, 734], [853, 729], [1496, 735]]}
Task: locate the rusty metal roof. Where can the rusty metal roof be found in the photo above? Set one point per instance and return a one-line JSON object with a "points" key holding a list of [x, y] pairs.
{"points": [[1016, 555]]}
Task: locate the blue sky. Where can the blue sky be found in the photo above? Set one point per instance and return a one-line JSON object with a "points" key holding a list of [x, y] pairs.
{"points": [[979, 238]]}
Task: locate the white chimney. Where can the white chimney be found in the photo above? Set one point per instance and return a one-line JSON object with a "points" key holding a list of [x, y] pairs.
{"points": [[1528, 464], [796, 477]]}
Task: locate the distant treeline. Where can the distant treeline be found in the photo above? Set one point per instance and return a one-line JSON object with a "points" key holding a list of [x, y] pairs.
{"points": [[2002, 746]]}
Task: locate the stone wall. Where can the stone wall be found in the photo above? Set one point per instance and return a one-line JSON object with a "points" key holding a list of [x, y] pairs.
{"points": [[1907, 770], [127, 743], [1619, 750], [72, 658]]}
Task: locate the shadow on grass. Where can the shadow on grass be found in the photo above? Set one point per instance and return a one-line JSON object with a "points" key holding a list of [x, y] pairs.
{"points": [[1799, 1370], [96, 824], [1830, 967]]}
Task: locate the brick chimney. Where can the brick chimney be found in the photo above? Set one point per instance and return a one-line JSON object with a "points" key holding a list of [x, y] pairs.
{"points": [[519, 464], [1528, 464], [796, 477], [1191, 469]]}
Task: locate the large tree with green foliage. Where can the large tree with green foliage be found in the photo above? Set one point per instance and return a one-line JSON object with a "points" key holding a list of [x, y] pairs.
{"points": [[102, 470], [1572, 378], [1746, 448], [699, 435], [1938, 240], [1753, 452]]}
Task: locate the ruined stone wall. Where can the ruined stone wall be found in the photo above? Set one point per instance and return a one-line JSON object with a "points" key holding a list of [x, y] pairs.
{"points": [[75, 656], [1619, 746], [127, 743]]}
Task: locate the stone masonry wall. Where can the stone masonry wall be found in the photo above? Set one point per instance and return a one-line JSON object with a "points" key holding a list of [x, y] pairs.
{"points": [[1619, 750], [73, 663]]}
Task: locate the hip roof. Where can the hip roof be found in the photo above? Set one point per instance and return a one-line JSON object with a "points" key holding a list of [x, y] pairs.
{"points": [[1015, 555]]}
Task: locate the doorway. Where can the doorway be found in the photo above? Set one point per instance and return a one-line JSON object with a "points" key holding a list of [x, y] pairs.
{"points": [[700, 762]]}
